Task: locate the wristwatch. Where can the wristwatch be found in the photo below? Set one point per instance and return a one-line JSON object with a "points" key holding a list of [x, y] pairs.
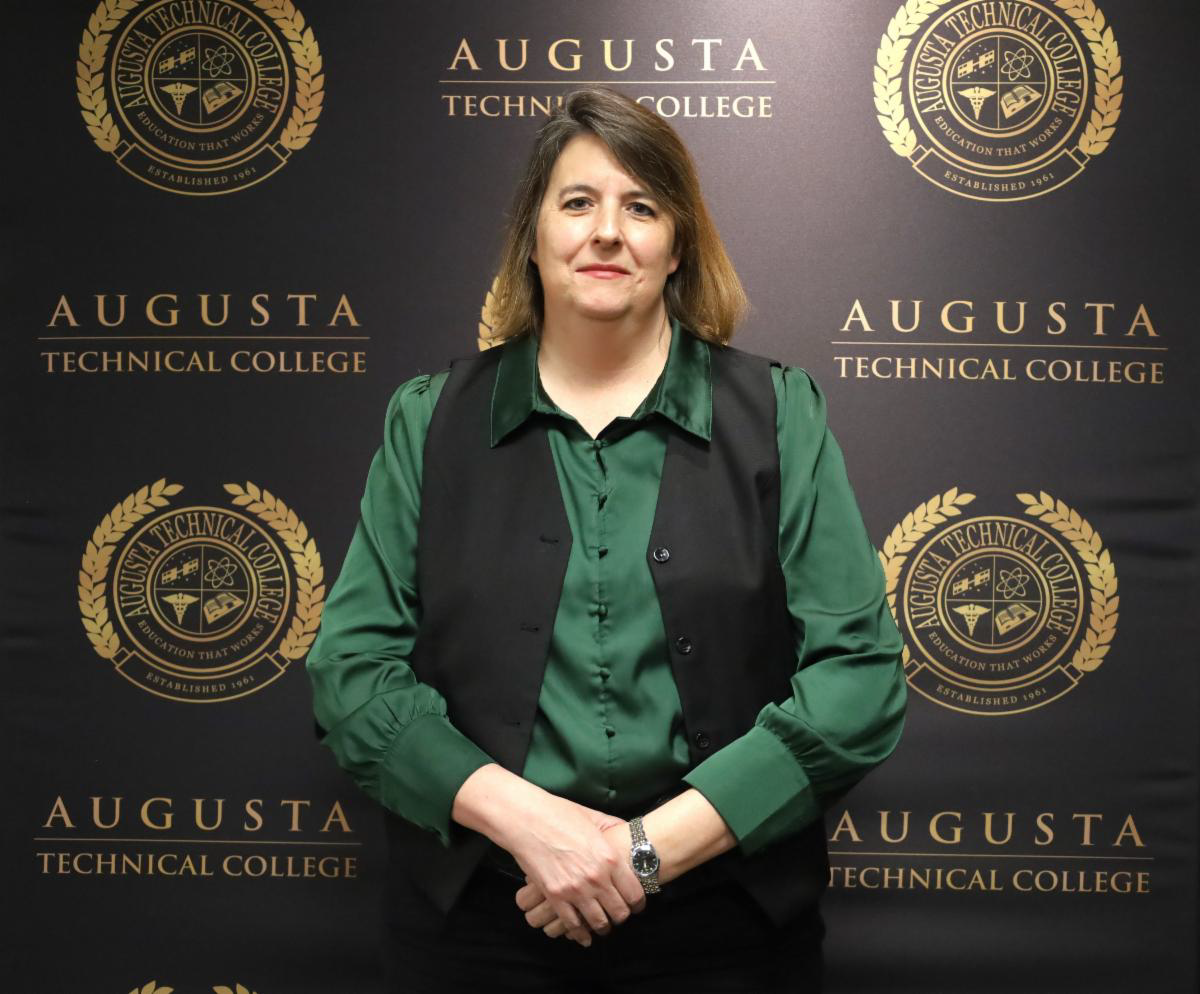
{"points": [[644, 857]]}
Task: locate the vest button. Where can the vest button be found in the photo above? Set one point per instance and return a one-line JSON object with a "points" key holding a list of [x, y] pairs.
{"points": [[683, 644], [702, 740], [662, 554]]}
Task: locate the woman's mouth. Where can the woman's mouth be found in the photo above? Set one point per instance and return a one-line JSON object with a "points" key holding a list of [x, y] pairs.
{"points": [[603, 273]]}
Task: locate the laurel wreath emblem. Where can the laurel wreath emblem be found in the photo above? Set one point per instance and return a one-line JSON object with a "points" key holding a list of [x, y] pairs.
{"points": [[1084, 539], [905, 536], [98, 554], [893, 46], [89, 78], [889, 60], [97, 557], [306, 54], [487, 322], [310, 84], [310, 574], [153, 988], [1102, 575]]}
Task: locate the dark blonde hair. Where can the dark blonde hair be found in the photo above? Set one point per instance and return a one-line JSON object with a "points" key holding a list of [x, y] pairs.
{"points": [[704, 292]]}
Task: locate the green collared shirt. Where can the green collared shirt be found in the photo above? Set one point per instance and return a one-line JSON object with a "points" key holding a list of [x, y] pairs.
{"points": [[609, 727]]}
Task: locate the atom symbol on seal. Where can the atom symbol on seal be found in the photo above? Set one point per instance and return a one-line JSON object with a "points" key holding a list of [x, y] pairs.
{"points": [[216, 61], [1012, 582], [220, 573], [1016, 64]]}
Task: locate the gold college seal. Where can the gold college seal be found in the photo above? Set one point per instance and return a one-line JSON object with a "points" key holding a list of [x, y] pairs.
{"points": [[208, 605], [999, 614], [199, 97], [1010, 98]]}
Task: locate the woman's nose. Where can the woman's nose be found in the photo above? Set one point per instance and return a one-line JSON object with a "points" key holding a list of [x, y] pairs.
{"points": [[608, 227]]}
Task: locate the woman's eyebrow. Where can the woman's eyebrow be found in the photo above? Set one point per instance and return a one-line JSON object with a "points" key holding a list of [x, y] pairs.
{"points": [[585, 188]]}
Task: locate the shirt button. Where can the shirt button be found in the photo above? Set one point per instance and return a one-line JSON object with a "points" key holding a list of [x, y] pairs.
{"points": [[702, 740], [683, 644], [603, 550], [610, 732], [602, 610], [662, 554]]}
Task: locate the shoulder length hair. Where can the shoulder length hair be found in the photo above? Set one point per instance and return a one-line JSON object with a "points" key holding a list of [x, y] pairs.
{"points": [[704, 293]]}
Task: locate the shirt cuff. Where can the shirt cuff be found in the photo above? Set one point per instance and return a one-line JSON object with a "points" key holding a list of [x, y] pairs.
{"points": [[424, 767], [758, 787]]}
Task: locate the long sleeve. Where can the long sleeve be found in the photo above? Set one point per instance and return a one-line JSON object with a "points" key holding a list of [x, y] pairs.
{"points": [[388, 730], [846, 710]]}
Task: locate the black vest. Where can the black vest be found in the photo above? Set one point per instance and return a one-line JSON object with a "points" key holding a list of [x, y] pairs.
{"points": [[493, 543]]}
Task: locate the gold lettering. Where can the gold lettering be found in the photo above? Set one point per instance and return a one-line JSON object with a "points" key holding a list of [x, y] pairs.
{"points": [[857, 314], [59, 811], [336, 814], [845, 824], [62, 309], [464, 52]]}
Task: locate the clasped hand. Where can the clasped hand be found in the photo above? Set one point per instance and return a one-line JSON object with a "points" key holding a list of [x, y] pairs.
{"points": [[578, 876]]}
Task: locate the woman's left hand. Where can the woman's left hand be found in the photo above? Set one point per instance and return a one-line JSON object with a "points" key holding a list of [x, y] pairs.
{"points": [[541, 914]]}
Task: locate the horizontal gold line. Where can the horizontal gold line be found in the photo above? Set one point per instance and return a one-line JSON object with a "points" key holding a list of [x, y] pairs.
{"points": [[215, 842], [1002, 345], [632, 82], [988, 855], [205, 338]]}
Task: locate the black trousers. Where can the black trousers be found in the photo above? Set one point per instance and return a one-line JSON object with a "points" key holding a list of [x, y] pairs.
{"points": [[703, 935]]}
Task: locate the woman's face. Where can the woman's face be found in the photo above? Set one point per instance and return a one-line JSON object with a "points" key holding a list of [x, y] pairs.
{"points": [[595, 215]]}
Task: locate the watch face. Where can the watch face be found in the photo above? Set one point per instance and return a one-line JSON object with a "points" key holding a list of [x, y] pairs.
{"points": [[645, 860]]}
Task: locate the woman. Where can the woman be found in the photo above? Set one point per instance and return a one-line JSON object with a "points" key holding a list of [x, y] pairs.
{"points": [[610, 634]]}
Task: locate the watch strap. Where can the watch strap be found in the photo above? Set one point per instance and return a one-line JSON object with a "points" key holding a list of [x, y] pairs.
{"points": [[638, 838]]}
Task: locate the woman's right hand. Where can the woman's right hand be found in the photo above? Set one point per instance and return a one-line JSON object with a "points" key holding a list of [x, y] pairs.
{"points": [[560, 846]]}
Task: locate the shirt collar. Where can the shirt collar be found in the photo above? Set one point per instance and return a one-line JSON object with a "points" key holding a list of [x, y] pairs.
{"points": [[682, 393]]}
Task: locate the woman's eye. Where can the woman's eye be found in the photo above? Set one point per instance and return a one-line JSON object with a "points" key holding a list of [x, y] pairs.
{"points": [[637, 206]]}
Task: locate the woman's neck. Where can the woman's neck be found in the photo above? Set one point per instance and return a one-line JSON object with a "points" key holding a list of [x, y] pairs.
{"points": [[583, 354]]}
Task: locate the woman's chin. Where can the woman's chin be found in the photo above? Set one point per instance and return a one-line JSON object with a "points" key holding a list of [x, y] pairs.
{"points": [[600, 307]]}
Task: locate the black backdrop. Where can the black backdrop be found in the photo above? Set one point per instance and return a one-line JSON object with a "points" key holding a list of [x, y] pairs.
{"points": [[1036, 829]]}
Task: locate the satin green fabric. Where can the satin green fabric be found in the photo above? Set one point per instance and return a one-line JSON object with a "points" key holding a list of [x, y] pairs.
{"points": [[609, 727]]}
